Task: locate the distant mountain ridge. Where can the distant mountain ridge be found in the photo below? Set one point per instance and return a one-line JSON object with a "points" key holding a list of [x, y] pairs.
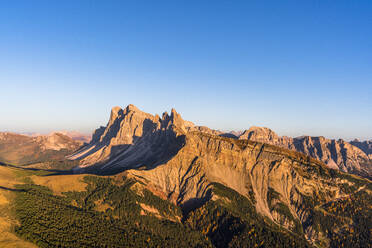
{"points": [[23, 149], [77, 136], [72, 134], [353, 157]]}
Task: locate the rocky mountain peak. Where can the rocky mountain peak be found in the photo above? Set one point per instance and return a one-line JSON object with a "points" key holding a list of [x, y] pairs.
{"points": [[177, 120], [133, 134], [115, 112], [174, 113], [130, 108], [263, 130], [165, 116], [261, 134]]}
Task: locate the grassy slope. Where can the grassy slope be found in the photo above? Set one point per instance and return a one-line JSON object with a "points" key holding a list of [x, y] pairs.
{"points": [[61, 183], [95, 211], [8, 178]]}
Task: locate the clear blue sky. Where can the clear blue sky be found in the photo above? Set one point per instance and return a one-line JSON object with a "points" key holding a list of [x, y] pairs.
{"points": [[298, 67]]}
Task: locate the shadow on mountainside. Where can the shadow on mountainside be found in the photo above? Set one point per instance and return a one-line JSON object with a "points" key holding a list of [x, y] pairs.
{"points": [[126, 157], [96, 143], [51, 171], [194, 203], [10, 189], [229, 135], [152, 148]]}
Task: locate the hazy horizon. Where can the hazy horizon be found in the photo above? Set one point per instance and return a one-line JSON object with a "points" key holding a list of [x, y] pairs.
{"points": [[298, 68], [83, 132]]}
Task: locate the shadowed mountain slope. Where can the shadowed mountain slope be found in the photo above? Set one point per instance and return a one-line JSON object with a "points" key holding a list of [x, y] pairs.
{"points": [[365, 146]]}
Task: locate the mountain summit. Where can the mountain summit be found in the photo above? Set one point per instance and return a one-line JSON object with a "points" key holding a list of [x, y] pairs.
{"points": [[132, 139]]}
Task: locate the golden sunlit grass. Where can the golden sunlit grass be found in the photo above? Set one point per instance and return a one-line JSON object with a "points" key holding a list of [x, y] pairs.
{"points": [[7, 177], [7, 237], [3, 199], [59, 184]]}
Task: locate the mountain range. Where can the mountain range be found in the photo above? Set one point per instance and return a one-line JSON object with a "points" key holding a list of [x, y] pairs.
{"points": [[354, 157], [160, 181], [133, 138], [183, 163]]}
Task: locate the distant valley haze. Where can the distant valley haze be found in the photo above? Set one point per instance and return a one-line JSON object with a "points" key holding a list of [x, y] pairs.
{"points": [[86, 131]]}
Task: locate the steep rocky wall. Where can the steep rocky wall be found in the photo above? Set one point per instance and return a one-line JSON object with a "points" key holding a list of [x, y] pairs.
{"points": [[250, 168]]}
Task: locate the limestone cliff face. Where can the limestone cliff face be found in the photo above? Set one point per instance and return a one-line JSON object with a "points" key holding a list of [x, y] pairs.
{"points": [[337, 154], [253, 169]]}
